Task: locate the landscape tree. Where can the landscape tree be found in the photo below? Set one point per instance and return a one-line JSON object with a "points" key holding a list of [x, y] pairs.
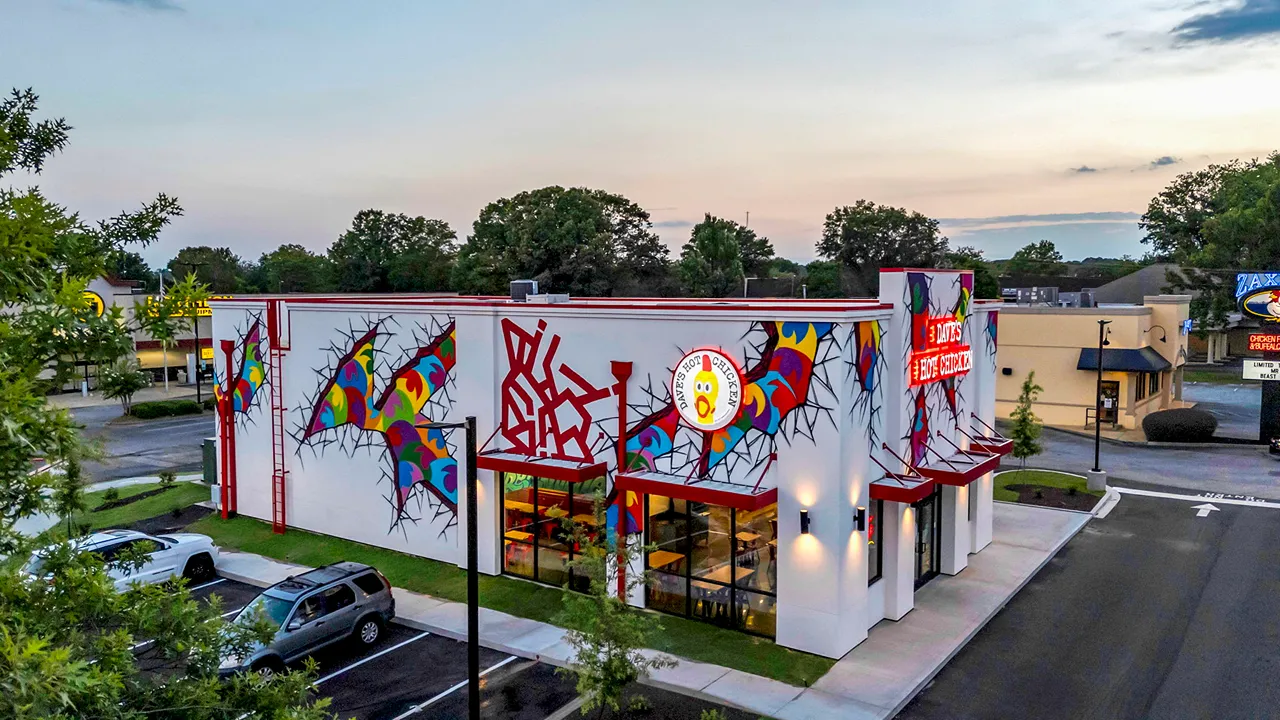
{"points": [[822, 280], [127, 265], [386, 252], [121, 381], [755, 250], [218, 268], [1037, 258], [1026, 428], [605, 632], [967, 257], [1214, 223], [290, 269], [575, 240], [711, 262], [67, 645], [865, 237]]}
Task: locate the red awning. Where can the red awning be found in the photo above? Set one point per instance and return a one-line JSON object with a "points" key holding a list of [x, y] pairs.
{"points": [[994, 445], [901, 488], [565, 470], [960, 469], [739, 497]]}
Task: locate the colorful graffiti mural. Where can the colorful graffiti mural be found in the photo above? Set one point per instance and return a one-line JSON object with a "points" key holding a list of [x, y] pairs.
{"points": [[918, 434], [866, 365], [247, 381], [545, 405], [420, 456]]}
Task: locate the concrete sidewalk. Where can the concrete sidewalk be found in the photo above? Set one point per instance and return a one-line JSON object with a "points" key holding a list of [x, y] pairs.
{"points": [[875, 680], [72, 400]]}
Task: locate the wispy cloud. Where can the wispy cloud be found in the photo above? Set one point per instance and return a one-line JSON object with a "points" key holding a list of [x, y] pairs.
{"points": [[1163, 162], [1247, 21], [1011, 221], [1084, 169], [673, 224], [156, 5]]}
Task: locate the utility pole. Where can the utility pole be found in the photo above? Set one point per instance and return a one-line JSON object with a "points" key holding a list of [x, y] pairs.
{"points": [[195, 325]]}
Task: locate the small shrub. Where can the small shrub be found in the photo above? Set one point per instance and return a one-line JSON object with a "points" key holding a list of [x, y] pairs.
{"points": [[167, 479], [1180, 425], [111, 495], [209, 403], [639, 705], [176, 512], [1072, 491], [1039, 494], [713, 714], [164, 408]]}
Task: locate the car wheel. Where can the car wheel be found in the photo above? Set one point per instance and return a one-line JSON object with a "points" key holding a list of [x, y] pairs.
{"points": [[199, 569], [369, 631], [267, 669]]}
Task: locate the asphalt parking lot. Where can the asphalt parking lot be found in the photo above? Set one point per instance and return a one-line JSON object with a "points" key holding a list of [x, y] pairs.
{"points": [[415, 674], [1166, 608]]}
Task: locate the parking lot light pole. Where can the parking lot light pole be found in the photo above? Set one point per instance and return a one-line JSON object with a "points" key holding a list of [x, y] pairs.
{"points": [[195, 325], [473, 562], [1098, 479]]}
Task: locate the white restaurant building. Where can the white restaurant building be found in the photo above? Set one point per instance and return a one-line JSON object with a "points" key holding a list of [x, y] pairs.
{"points": [[802, 467]]}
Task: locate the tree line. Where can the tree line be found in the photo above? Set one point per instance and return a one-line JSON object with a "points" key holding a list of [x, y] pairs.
{"points": [[580, 241]]}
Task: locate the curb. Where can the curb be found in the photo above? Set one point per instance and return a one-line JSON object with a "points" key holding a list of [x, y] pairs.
{"points": [[956, 650], [1156, 444]]}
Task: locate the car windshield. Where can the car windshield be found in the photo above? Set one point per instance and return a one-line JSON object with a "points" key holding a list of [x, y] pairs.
{"points": [[273, 610], [34, 565]]}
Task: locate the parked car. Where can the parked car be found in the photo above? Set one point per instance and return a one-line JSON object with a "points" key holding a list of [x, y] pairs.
{"points": [[330, 604], [188, 555]]}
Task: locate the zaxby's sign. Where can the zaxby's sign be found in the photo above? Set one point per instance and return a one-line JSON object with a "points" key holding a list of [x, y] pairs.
{"points": [[944, 354], [1258, 294]]}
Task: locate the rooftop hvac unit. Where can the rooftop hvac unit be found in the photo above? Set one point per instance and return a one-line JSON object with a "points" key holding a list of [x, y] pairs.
{"points": [[1086, 299], [1038, 296], [522, 289]]}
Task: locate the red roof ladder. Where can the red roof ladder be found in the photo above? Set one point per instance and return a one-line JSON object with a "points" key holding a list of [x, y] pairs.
{"points": [[278, 344]]}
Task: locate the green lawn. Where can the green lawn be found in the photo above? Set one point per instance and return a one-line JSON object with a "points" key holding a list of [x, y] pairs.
{"points": [[1047, 478], [1214, 376], [686, 638], [182, 495]]}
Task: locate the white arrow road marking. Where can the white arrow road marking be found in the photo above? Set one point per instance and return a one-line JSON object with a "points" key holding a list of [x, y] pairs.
{"points": [[1204, 510]]}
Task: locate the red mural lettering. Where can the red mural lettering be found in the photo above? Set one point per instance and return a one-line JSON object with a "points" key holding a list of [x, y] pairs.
{"points": [[544, 407]]}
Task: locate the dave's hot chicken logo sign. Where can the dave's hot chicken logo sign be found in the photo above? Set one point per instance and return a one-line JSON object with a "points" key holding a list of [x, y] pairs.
{"points": [[944, 354], [706, 388]]}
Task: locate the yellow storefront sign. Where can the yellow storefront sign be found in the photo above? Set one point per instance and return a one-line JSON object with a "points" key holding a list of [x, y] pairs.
{"points": [[200, 309]]}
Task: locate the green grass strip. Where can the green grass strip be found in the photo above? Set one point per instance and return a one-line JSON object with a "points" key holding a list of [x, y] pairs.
{"points": [[1045, 478]]}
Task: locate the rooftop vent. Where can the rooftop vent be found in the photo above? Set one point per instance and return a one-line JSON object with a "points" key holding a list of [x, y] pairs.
{"points": [[548, 299]]}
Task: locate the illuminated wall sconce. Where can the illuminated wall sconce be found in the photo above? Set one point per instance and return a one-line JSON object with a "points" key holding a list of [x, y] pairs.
{"points": [[860, 519], [804, 522]]}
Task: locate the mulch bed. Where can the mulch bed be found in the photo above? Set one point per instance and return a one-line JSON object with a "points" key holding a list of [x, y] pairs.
{"points": [[1054, 497], [129, 500], [168, 523]]}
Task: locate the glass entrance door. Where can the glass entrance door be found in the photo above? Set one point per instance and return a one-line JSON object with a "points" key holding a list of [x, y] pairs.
{"points": [[1110, 401], [928, 538]]}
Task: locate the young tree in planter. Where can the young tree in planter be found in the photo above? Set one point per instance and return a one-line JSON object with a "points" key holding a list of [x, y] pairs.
{"points": [[605, 632], [121, 381], [1026, 426], [68, 493]]}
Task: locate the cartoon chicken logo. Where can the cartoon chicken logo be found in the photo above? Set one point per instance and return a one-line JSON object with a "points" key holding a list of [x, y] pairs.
{"points": [[706, 387], [1273, 304]]}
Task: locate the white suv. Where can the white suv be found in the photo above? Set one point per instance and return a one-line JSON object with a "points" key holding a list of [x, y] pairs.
{"points": [[188, 555]]}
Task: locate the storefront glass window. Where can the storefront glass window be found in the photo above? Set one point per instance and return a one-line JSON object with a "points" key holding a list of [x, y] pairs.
{"points": [[713, 563], [1153, 386], [875, 541], [1140, 387], [536, 544]]}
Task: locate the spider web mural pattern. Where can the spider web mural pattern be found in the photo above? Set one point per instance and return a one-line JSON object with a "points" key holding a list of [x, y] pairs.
{"points": [[250, 377], [951, 388], [918, 298], [865, 366], [778, 409], [347, 412]]}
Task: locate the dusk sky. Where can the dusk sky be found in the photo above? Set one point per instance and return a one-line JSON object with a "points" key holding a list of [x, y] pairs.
{"points": [[1011, 121]]}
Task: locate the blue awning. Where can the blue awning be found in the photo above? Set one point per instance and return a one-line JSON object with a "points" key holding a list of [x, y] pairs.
{"points": [[1123, 360]]}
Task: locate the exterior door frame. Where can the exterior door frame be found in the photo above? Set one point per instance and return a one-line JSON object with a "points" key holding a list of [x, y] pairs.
{"points": [[932, 505]]}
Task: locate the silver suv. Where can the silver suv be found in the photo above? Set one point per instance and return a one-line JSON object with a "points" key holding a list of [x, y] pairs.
{"points": [[315, 609]]}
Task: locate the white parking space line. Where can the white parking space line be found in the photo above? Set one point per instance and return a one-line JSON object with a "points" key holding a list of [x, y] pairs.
{"points": [[1210, 497], [419, 708], [208, 584], [364, 660]]}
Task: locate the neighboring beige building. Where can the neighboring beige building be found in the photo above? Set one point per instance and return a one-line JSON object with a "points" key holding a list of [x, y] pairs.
{"points": [[1142, 365]]}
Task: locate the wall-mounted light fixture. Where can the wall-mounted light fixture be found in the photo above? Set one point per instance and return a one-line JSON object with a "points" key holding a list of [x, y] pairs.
{"points": [[804, 522], [1006, 371], [1164, 338], [860, 519]]}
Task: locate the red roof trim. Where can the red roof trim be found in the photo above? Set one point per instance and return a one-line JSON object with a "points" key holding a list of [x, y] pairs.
{"points": [[1002, 446], [754, 304], [576, 474], [745, 501], [928, 270]]}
